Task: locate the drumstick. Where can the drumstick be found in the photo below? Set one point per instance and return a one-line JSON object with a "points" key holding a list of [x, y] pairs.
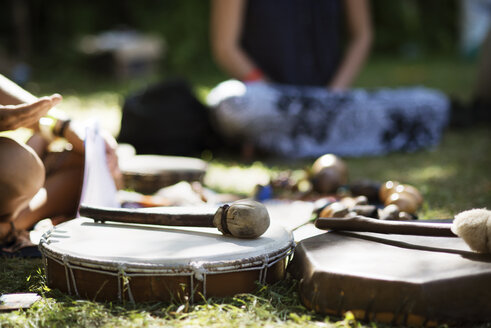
{"points": [[473, 226], [243, 218]]}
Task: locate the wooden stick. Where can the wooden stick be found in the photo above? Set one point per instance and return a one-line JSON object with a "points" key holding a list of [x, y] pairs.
{"points": [[361, 223]]}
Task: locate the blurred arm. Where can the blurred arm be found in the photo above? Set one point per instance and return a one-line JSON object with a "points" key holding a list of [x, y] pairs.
{"points": [[19, 108], [12, 94], [25, 110], [225, 30], [360, 30]]}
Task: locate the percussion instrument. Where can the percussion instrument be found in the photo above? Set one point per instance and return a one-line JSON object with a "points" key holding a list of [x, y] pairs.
{"points": [[329, 172], [386, 189], [243, 218], [405, 196], [394, 279], [139, 263], [148, 173]]}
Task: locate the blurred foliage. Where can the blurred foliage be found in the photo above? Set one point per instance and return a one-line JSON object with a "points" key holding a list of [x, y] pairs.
{"points": [[409, 28], [413, 28], [56, 26]]}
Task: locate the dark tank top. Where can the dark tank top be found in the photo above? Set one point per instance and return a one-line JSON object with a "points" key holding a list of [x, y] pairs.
{"points": [[293, 41]]}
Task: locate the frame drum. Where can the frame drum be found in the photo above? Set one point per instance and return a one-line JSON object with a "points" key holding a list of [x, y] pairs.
{"points": [[113, 261], [148, 173], [394, 279]]}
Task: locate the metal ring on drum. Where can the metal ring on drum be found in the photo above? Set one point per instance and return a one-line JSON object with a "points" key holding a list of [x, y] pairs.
{"points": [[141, 263], [148, 173]]}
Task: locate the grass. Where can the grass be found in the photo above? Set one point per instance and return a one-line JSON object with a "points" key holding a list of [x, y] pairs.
{"points": [[273, 305], [452, 177]]}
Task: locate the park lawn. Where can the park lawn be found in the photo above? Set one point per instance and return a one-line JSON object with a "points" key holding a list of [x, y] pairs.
{"points": [[452, 177]]}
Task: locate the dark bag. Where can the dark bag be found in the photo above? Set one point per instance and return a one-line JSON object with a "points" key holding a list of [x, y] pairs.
{"points": [[166, 119]]}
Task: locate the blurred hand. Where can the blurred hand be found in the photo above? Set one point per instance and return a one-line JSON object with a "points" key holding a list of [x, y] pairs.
{"points": [[26, 115]]}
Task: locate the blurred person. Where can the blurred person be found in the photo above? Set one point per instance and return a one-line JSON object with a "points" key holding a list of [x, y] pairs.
{"points": [[36, 183], [292, 93], [475, 22], [481, 106], [475, 31], [295, 42]]}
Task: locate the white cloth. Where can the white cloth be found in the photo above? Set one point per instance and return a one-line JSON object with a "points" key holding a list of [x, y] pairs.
{"points": [[98, 188]]}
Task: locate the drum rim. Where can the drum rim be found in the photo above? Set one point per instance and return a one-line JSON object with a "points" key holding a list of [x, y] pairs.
{"points": [[209, 266], [165, 173], [191, 165]]}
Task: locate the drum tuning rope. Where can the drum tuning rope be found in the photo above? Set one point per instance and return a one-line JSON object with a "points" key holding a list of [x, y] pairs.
{"points": [[124, 280], [69, 274]]}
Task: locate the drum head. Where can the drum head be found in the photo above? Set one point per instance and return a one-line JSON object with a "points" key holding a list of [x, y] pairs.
{"points": [[149, 173], [158, 252], [408, 280]]}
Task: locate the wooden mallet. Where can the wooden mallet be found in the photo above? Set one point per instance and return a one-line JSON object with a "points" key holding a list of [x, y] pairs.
{"points": [[243, 218], [473, 226]]}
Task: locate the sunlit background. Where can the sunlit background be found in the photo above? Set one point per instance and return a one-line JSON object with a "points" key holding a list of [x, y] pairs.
{"points": [[80, 49]]}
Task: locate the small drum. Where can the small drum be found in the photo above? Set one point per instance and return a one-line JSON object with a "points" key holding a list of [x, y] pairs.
{"points": [[148, 173], [395, 279], [153, 263]]}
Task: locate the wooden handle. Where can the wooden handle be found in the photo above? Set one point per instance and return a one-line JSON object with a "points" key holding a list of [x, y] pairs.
{"points": [[169, 216], [361, 223]]}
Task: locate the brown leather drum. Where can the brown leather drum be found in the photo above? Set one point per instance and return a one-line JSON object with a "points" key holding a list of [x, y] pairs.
{"points": [[395, 279], [148, 173], [140, 263]]}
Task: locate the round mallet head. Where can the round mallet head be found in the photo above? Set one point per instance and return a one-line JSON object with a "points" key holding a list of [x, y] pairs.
{"points": [[474, 227], [329, 172], [243, 219]]}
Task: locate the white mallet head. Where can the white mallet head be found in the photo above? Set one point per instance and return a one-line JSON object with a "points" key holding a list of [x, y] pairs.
{"points": [[474, 227]]}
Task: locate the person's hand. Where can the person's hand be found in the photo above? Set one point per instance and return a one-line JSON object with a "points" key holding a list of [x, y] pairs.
{"points": [[26, 115], [112, 159]]}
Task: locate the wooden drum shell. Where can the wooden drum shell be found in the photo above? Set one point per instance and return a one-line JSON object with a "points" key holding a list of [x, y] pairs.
{"points": [[104, 287]]}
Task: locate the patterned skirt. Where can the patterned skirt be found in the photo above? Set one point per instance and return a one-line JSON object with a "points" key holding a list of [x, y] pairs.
{"points": [[293, 121]]}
